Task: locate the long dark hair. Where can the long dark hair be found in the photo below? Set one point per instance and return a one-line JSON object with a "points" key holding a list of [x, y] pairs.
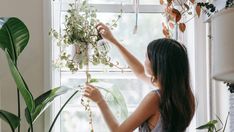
{"points": [[170, 66]]}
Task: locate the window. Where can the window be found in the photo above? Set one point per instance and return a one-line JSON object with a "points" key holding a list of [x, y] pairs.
{"points": [[74, 117]]}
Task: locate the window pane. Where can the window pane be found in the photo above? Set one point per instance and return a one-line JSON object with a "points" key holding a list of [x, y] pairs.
{"points": [[148, 2], [104, 1], [125, 82], [74, 118], [149, 28], [110, 1]]}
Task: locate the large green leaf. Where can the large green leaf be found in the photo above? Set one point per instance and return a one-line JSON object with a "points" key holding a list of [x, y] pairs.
{"points": [[61, 109], [115, 99], [14, 36], [21, 85], [10, 118], [44, 100], [117, 102]]}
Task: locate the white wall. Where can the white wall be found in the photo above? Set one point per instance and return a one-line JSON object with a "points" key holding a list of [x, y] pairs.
{"points": [[220, 94], [212, 96], [31, 60], [220, 102], [195, 39]]}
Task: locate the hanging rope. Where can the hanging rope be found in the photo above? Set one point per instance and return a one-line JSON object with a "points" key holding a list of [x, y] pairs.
{"points": [[136, 9]]}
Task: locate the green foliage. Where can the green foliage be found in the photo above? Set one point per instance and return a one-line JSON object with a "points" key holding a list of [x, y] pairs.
{"points": [[116, 100], [64, 105], [10, 118], [14, 36], [44, 100], [211, 125], [80, 32], [21, 85]]}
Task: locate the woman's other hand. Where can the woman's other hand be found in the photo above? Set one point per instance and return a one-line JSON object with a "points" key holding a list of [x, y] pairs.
{"points": [[93, 93], [106, 33]]}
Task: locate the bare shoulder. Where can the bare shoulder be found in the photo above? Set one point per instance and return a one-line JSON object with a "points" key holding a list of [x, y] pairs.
{"points": [[152, 100], [153, 96]]}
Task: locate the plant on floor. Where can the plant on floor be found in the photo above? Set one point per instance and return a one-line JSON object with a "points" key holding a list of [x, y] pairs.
{"points": [[14, 37], [211, 125]]}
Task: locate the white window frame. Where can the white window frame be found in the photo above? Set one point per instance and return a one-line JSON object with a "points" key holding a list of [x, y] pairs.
{"points": [[196, 39], [51, 76]]}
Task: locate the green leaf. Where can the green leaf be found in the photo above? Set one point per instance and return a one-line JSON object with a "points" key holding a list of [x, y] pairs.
{"points": [[43, 101], [93, 81], [21, 85], [209, 125], [118, 100], [61, 109], [14, 36], [10, 118]]}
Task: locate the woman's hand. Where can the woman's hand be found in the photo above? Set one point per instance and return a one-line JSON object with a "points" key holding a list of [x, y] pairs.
{"points": [[93, 93], [106, 33]]}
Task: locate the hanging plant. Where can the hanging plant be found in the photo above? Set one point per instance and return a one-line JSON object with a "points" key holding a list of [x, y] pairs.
{"points": [[176, 10], [81, 35]]}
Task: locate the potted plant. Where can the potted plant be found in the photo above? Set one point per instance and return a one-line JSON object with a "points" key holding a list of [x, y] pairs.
{"points": [[211, 126], [14, 37], [81, 35]]}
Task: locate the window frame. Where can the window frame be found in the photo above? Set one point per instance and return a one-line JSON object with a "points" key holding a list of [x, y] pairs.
{"points": [[55, 76], [52, 76]]}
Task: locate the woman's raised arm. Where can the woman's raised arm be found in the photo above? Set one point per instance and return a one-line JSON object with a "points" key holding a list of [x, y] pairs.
{"points": [[132, 61]]}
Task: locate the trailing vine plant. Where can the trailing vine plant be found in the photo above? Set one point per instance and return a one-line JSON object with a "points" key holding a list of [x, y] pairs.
{"points": [[81, 35], [176, 11]]}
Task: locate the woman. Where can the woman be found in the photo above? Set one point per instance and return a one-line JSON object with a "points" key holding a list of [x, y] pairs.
{"points": [[169, 109]]}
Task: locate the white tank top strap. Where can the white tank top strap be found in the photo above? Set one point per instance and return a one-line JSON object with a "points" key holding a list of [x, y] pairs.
{"points": [[157, 92]]}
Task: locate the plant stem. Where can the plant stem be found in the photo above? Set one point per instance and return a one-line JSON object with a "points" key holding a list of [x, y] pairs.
{"points": [[88, 78], [190, 19], [30, 129], [56, 117], [226, 122], [18, 100], [19, 115], [87, 66]]}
